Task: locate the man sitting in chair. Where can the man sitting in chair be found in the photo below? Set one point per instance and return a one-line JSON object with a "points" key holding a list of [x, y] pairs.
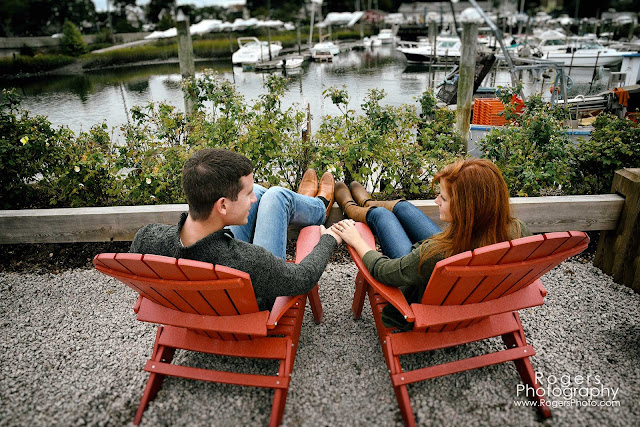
{"points": [[239, 224]]}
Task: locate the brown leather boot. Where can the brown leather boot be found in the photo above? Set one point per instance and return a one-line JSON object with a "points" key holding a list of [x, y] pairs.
{"points": [[348, 205], [309, 184], [364, 199], [359, 193], [326, 190]]}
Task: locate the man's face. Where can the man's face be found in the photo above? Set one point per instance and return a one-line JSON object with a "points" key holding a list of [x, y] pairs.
{"points": [[238, 210]]}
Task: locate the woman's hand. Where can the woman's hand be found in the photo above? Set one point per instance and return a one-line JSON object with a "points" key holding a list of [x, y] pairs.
{"points": [[347, 230], [332, 233]]}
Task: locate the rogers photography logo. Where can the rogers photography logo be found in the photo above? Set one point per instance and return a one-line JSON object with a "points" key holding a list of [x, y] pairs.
{"points": [[568, 390]]}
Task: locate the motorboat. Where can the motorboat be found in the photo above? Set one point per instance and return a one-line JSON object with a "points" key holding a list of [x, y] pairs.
{"points": [[575, 51], [371, 41], [386, 36], [320, 55], [447, 49], [586, 54], [326, 46], [291, 62], [251, 50]]}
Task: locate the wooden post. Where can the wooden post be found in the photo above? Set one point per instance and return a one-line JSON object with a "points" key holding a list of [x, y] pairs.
{"points": [[185, 55], [470, 22], [618, 252], [298, 37], [433, 39]]}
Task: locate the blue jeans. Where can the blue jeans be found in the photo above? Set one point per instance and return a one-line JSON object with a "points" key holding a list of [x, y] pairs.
{"points": [[397, 231], [270, 216]]}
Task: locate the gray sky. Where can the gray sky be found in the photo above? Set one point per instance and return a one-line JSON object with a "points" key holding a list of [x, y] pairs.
{"points": [[101, 5]]}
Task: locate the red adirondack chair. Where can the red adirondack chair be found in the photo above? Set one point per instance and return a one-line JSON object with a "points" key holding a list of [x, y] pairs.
{"points": [[212, 309], [470, 297]]}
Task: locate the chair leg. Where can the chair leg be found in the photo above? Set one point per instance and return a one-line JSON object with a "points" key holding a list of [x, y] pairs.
{"points": [[358, 297], [316, 305], [154, 383], [526, 372], [277, 409], [402, 394]]}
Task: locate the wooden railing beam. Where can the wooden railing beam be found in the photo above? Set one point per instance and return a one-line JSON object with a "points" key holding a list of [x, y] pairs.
{"points": [[120, 223]]}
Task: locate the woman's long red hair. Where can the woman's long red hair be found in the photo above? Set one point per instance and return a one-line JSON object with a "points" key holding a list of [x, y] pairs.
{"points": [[479, 208]]}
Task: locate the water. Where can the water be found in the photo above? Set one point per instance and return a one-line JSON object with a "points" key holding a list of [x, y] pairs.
{"points": [[82, 101]]}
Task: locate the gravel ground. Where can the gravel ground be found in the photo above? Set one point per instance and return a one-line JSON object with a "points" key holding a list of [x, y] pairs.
{"points": [[72, 353]]}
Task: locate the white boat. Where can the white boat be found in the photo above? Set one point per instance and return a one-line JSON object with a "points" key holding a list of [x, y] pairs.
{"points": [[291, 62], [575, 51], [386, 36], [447, 48], [587, 57], [326, 46], [371, 41], [251, 50]]}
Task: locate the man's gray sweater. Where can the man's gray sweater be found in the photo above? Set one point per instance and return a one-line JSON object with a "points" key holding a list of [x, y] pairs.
{"points": [[271, 276]]}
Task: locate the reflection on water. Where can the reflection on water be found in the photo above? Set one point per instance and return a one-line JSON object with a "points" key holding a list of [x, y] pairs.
{"points": [[96, 97]]}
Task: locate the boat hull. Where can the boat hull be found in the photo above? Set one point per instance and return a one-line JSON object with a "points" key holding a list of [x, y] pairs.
{"points": [[585, 60], [419, 57]]}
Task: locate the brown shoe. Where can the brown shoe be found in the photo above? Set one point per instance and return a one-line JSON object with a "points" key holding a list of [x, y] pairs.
{"points": [[326, 190], [349, 207], [363, 198], [359, 193], [387, 204], [309, 184]]}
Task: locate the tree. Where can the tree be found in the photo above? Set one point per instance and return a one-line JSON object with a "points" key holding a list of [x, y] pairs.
{"points": [[155, 8], [42, 17], [72, 42]]}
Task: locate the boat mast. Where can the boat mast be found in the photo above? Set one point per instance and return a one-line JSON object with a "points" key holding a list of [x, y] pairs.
{"points": [[498, 34]]}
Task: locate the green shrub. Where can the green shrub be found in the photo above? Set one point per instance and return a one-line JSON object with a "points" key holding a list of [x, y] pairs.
{"points": [[33, 64], [129, 55], [71, 42], [31, 152], [614, 144], [533, 152], [387, 147]]}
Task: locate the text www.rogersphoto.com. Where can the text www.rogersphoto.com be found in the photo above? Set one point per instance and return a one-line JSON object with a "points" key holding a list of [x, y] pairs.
{"points": [[568, 390]]}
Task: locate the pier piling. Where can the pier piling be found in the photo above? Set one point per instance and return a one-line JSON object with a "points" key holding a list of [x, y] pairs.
{"points": [[470, 23], [185, 55]]}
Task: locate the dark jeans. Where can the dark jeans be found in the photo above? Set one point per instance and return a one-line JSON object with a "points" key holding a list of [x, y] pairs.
{"points": [[397, 231]]}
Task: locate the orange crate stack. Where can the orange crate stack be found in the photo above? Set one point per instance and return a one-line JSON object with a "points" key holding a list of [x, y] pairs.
{"points": [[486, 111]]}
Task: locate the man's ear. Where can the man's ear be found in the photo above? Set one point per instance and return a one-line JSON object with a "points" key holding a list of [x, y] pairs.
{"points": [[220, 206]]}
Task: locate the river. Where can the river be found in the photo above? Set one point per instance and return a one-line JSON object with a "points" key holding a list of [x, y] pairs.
{"points": [[80, 101]]}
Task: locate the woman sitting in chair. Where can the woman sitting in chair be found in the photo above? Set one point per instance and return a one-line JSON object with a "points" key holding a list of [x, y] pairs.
{"points": [[473, 199]]}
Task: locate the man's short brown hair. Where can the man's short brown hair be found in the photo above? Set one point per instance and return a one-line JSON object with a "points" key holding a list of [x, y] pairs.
{"points": [[210, 174]]}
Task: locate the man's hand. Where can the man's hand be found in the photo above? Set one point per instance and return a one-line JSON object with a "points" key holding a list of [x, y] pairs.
{"points": [[330, 232], [351, 236]]}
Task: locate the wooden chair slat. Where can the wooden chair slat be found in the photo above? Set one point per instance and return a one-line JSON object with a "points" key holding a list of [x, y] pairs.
{"points": [[134, 263], [197, 270], [467, 287], [109, 260], [520, 250], [165, 267], [439, 285], [243, 298]]}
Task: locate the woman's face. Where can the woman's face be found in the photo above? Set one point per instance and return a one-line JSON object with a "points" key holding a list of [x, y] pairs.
{"points": [[443, 200]]}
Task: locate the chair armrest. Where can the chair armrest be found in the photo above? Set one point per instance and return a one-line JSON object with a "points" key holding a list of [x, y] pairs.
{"points": [[280, 307], [393, 295], [307, 240], [248, 324], [435, 315]]}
